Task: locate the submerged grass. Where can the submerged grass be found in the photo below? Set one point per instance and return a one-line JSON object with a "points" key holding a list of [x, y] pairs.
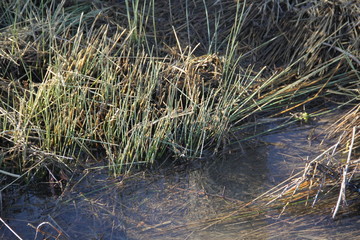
{"points": [[132, 82]]}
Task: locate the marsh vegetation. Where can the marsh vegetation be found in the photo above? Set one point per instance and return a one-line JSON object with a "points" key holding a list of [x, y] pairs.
{"points": [[129, 85]]}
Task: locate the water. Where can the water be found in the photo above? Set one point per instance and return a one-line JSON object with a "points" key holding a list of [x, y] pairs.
{"points": [[201, 200]]}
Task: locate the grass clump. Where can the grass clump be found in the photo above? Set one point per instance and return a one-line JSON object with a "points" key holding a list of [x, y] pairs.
{"points": [[136, 81], [73, 86]]}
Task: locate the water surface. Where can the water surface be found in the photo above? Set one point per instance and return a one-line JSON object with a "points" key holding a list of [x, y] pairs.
{"points": [[202, 200]]}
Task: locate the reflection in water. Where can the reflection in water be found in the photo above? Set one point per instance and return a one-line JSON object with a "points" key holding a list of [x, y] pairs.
{"points": [[184, 202], [241, 175]]}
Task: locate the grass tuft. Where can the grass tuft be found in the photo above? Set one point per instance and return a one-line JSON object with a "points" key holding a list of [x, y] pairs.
{"points": [[133, 82]]}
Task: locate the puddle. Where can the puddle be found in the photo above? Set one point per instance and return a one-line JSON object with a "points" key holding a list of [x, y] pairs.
{"points": [[197, 201]]}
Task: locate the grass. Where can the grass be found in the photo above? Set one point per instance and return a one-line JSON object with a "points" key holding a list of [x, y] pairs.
{"points": [[138, 82]]}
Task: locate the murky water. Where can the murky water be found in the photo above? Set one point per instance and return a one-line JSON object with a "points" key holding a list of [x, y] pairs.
{"points": [[202, 200]]}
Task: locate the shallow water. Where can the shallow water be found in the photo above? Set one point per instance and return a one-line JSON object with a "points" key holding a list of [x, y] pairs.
{"points": [[202, 200]]}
